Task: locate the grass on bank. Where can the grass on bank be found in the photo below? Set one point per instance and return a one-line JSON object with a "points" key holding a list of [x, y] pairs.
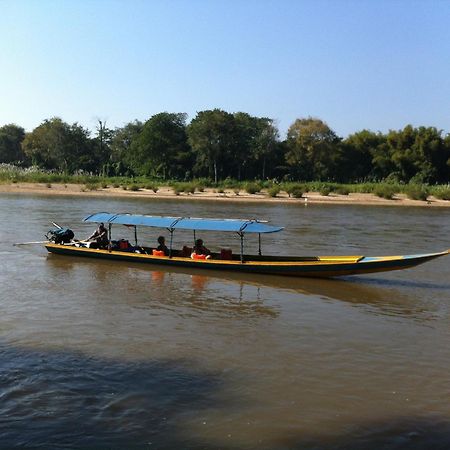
{"points": [[11, 174]]}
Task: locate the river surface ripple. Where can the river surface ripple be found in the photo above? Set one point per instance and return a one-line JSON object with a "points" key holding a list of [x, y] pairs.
{"points": [[106, 355]]}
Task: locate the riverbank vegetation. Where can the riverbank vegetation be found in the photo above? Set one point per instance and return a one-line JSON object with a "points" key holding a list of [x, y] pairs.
{"points": [[229, 151], [270, 188]]}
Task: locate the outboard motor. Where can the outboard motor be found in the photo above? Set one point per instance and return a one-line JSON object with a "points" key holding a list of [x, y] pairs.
{"points": [[60, 235]]}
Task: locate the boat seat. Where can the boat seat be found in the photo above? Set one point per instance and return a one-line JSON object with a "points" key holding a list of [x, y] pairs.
{"points": [[226, 254], [186, 252]]}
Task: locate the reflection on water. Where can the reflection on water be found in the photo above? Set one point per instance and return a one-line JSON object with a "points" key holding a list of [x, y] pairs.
{"points": [[157, 278], [241, 293], [154, 288], [378, 296], [199, 283], [408, 283]]}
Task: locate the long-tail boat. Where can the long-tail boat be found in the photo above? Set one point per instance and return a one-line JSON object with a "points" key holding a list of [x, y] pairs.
{"points": [[299, 266]]}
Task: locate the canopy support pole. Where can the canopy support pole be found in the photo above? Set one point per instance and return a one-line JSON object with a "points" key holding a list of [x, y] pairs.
{"points": [[194, 238], [135, 236], [259, 244], [109, 237], [242, 246], [171, 241]]}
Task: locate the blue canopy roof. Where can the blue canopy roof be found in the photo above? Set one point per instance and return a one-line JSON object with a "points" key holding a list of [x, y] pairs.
{"points": [[185, 223]]}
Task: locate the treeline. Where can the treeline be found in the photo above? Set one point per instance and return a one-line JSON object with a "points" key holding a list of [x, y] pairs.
{"points": [[220, 145]]}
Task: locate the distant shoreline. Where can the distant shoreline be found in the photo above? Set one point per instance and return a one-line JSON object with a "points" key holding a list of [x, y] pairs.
{"points": [[211, 194]]}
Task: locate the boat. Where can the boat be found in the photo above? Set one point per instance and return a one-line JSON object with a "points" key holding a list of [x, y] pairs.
{"points": [[225, 260]]}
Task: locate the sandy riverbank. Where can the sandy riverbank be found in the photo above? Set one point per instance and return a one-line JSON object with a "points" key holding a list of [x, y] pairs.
{"points": [[211, 194]]}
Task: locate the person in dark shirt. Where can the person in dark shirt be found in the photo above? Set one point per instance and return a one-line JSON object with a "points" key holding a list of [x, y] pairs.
{"points": [[200, 249], [100, 236], [162, 247]]}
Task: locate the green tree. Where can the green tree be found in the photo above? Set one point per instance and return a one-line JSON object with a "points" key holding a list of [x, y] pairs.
{"points": [[402, 154], [243, 135], [313, 150], [382, 164], [120, 145], [211, 135], [254, 144], [359, 149], [266, 150], [102, 146], [445, 168], [418, 154], [57, 145], [161, 149], [11, 137], [431, 156]]}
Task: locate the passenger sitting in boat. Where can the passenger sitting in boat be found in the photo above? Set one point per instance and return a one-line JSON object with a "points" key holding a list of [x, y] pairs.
{"points": [[100, 235], [162, 247], [200, 250]]}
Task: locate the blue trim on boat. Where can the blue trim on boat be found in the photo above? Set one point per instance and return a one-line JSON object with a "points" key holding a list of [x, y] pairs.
{"points": [[425, 255]]}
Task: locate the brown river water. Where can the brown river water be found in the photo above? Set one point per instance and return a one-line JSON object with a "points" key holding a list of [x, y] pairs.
{"points": [[112, 355]]}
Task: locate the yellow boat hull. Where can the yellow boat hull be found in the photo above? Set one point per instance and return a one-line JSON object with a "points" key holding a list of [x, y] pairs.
{"points": [[320, 266]]}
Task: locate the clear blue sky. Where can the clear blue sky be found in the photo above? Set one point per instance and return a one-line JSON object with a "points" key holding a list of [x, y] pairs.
{"points": [[376, 64]]}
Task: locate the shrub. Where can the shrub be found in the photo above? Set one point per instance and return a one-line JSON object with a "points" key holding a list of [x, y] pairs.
{"points": [[91, 186], [252, 188], [229, 183], [236, 191], [297, 191], [287, 188], [274, 191], [443, 193], [206, 182], [385, 191], [325, 191], [189, 188], [417, 192], [135, 187], [116, 185], [265, 184], [177, 187], [200, 188], [151, 187], [365, 188], [342, 190]]}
